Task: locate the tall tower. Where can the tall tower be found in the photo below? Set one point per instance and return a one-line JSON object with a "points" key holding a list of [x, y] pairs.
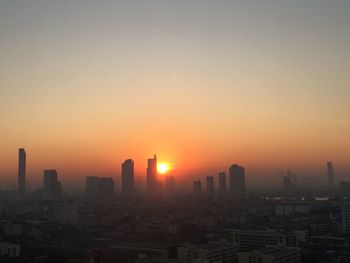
{"points": [[22, 171], [222, 183], [52, 187], [152, 175], [128, 177], [237, 181], [330, 173]]}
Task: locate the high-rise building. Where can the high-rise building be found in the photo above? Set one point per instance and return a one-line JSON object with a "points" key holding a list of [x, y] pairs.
{"points": [[197, 188], [210, 185], [152, 181], [222, 183], [52, 187], [21, 171], [99, 187], [330, 173], [237, 181], [128, 177]]}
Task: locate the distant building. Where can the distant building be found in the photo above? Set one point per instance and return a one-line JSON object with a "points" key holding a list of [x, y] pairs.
{"points": [[66, 213], [52, 187], [330, 173], [223, 252], [210, 185], [222, 183], [345, 213], [286, 209], [288, 185], [9, 250], [152, 181], [21, 171], [99, 187], [254, 239], [197, 188], [128, 177], [237, 181], [271, 255], [169, 185]]}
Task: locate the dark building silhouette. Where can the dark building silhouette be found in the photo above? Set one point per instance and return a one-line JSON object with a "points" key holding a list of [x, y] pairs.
{"points": [[99, 187], [21, 171], [222, 183], [52, 187], [288, 186], [237, 181], [210, 185], [330, 173], [152, 181], [128, 177], [197, 188]]}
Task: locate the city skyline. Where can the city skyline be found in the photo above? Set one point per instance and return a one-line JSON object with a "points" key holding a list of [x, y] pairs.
{"points": [[262, 84]]}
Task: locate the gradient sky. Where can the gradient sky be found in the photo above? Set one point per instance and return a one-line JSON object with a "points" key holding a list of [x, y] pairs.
{"points": [[204, 84]]}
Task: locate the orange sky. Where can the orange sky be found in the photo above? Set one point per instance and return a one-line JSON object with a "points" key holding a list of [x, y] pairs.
{"points": [[86, 85]]}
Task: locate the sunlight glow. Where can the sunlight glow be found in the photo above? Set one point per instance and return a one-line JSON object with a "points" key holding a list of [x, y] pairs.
{"points": [[162, 168]]}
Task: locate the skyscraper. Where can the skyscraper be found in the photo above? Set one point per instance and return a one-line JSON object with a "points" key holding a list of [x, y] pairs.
{"points": [[237, 181], [52, 187], [128, 177], [21, 171], [330, 173], [152, 175], [99, 187], [210, 185], [222, 183]]}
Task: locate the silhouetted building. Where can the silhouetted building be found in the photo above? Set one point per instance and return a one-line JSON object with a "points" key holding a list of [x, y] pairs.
{"points": [[169, 185], [237, 181], [197, 187], [210, 185], [330, 173], [52, 187], [288, 185], [128, 177], [99, 187], [21, 171], [152, 181], [222, 183]]}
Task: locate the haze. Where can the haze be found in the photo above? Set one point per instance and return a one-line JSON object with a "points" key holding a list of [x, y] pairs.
{"points": [[204, 84]]}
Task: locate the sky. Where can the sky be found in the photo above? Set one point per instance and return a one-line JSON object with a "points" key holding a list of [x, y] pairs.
{"points": [[204, 84]]}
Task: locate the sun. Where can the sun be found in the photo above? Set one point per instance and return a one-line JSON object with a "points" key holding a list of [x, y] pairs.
{"points": [[162, 168]]}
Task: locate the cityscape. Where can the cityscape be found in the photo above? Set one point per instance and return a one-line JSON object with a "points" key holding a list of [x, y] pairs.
{"points": [[219, 220], [174, 131]]}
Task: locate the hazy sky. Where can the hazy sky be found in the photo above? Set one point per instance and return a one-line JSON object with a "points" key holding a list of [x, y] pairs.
{"points": [[204, 84]]}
